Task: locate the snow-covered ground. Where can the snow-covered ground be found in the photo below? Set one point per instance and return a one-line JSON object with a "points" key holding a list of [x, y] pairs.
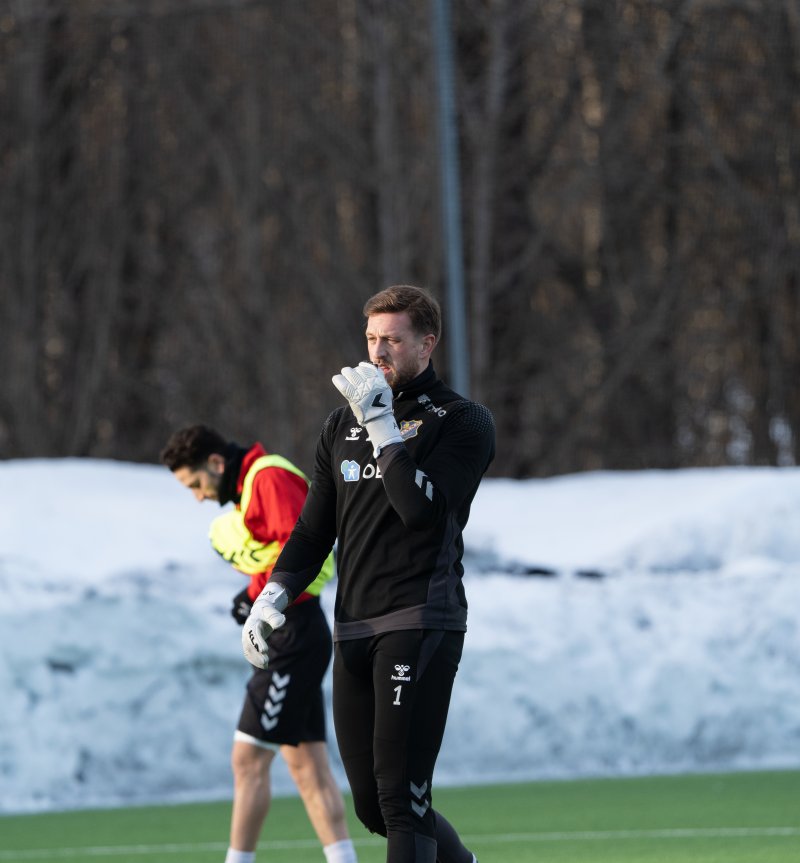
{"points": [[619, 624]]}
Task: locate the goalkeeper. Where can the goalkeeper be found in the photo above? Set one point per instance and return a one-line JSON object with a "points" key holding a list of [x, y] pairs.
{"points": [[393, 480], [283, 708]]}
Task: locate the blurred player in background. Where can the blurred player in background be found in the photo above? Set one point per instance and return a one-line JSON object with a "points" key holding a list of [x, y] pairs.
{"points": [[394, 478], [283, 708]]}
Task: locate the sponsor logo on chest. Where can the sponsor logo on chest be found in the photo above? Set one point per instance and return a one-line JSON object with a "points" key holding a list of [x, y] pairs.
{"points": [[425, 401], [351, 471]]}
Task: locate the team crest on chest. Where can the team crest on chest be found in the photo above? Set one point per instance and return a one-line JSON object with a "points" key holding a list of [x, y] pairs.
{"points": [[408, 428]]}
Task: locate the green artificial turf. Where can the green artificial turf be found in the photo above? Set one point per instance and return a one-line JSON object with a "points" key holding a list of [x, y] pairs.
{"points": [[730, 818]]}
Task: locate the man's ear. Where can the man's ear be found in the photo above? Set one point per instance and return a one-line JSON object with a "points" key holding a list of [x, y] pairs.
{"points": [[216, 461], [427, 345]]}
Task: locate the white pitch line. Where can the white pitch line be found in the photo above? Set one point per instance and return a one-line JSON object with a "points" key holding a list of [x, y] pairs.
{"points": [[666, 833], [483, 839]]}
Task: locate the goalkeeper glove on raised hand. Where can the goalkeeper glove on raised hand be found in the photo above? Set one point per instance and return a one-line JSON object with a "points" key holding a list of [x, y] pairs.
{"points": [[266, 616], [370, 398]]}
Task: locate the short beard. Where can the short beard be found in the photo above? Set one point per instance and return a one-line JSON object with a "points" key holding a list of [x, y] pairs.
{"points": [[401, 379]]}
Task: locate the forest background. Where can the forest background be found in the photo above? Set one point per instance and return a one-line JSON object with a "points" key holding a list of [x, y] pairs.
{"points": [[199, 195]]}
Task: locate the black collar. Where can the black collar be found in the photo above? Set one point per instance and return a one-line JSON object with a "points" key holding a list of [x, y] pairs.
{"points": [[234, 456]]}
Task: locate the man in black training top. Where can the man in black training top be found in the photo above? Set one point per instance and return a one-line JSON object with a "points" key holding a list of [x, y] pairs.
{"points": [[394, 477]]}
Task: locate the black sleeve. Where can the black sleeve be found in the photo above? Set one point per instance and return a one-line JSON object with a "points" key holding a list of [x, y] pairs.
{"points": [[314, 534], [428, 492]]}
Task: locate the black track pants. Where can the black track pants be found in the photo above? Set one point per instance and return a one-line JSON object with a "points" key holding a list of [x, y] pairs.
{"points": [[391, 693]]}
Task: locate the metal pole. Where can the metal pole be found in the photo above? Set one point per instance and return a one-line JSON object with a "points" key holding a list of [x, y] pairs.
{"points": [[455, 313]]}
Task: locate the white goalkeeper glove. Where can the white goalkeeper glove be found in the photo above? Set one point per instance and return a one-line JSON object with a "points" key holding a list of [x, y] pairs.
{"points": [[265, 616], [370, 398]]}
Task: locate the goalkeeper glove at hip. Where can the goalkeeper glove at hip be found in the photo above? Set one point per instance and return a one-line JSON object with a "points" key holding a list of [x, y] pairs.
{"points": [[266, 616]]}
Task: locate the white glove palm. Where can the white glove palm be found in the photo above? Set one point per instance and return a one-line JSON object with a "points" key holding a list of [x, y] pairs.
{"points": [[370, 398], [265, 617]]}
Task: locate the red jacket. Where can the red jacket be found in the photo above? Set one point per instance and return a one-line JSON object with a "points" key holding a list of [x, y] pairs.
{"points": [[272, 508]]}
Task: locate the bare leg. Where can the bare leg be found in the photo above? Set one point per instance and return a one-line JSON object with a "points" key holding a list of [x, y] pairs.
{"points": [[251, 793], [309, 768]]}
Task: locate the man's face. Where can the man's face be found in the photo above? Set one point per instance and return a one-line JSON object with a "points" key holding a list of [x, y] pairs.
{"points": [[203, 482], [398, 351]]}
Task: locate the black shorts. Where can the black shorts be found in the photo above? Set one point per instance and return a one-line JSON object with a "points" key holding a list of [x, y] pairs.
{"points": [[285, 704]]}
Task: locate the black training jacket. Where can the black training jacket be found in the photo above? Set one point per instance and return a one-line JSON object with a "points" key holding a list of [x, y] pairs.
{"points": [[399, 520]]}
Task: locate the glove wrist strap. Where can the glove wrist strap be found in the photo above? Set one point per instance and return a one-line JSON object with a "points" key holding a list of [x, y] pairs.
{"points": [[382, 431], [275, 595]]}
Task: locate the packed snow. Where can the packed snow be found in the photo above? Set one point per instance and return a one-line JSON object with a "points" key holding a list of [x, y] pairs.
{"points": [[619, 624]]}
